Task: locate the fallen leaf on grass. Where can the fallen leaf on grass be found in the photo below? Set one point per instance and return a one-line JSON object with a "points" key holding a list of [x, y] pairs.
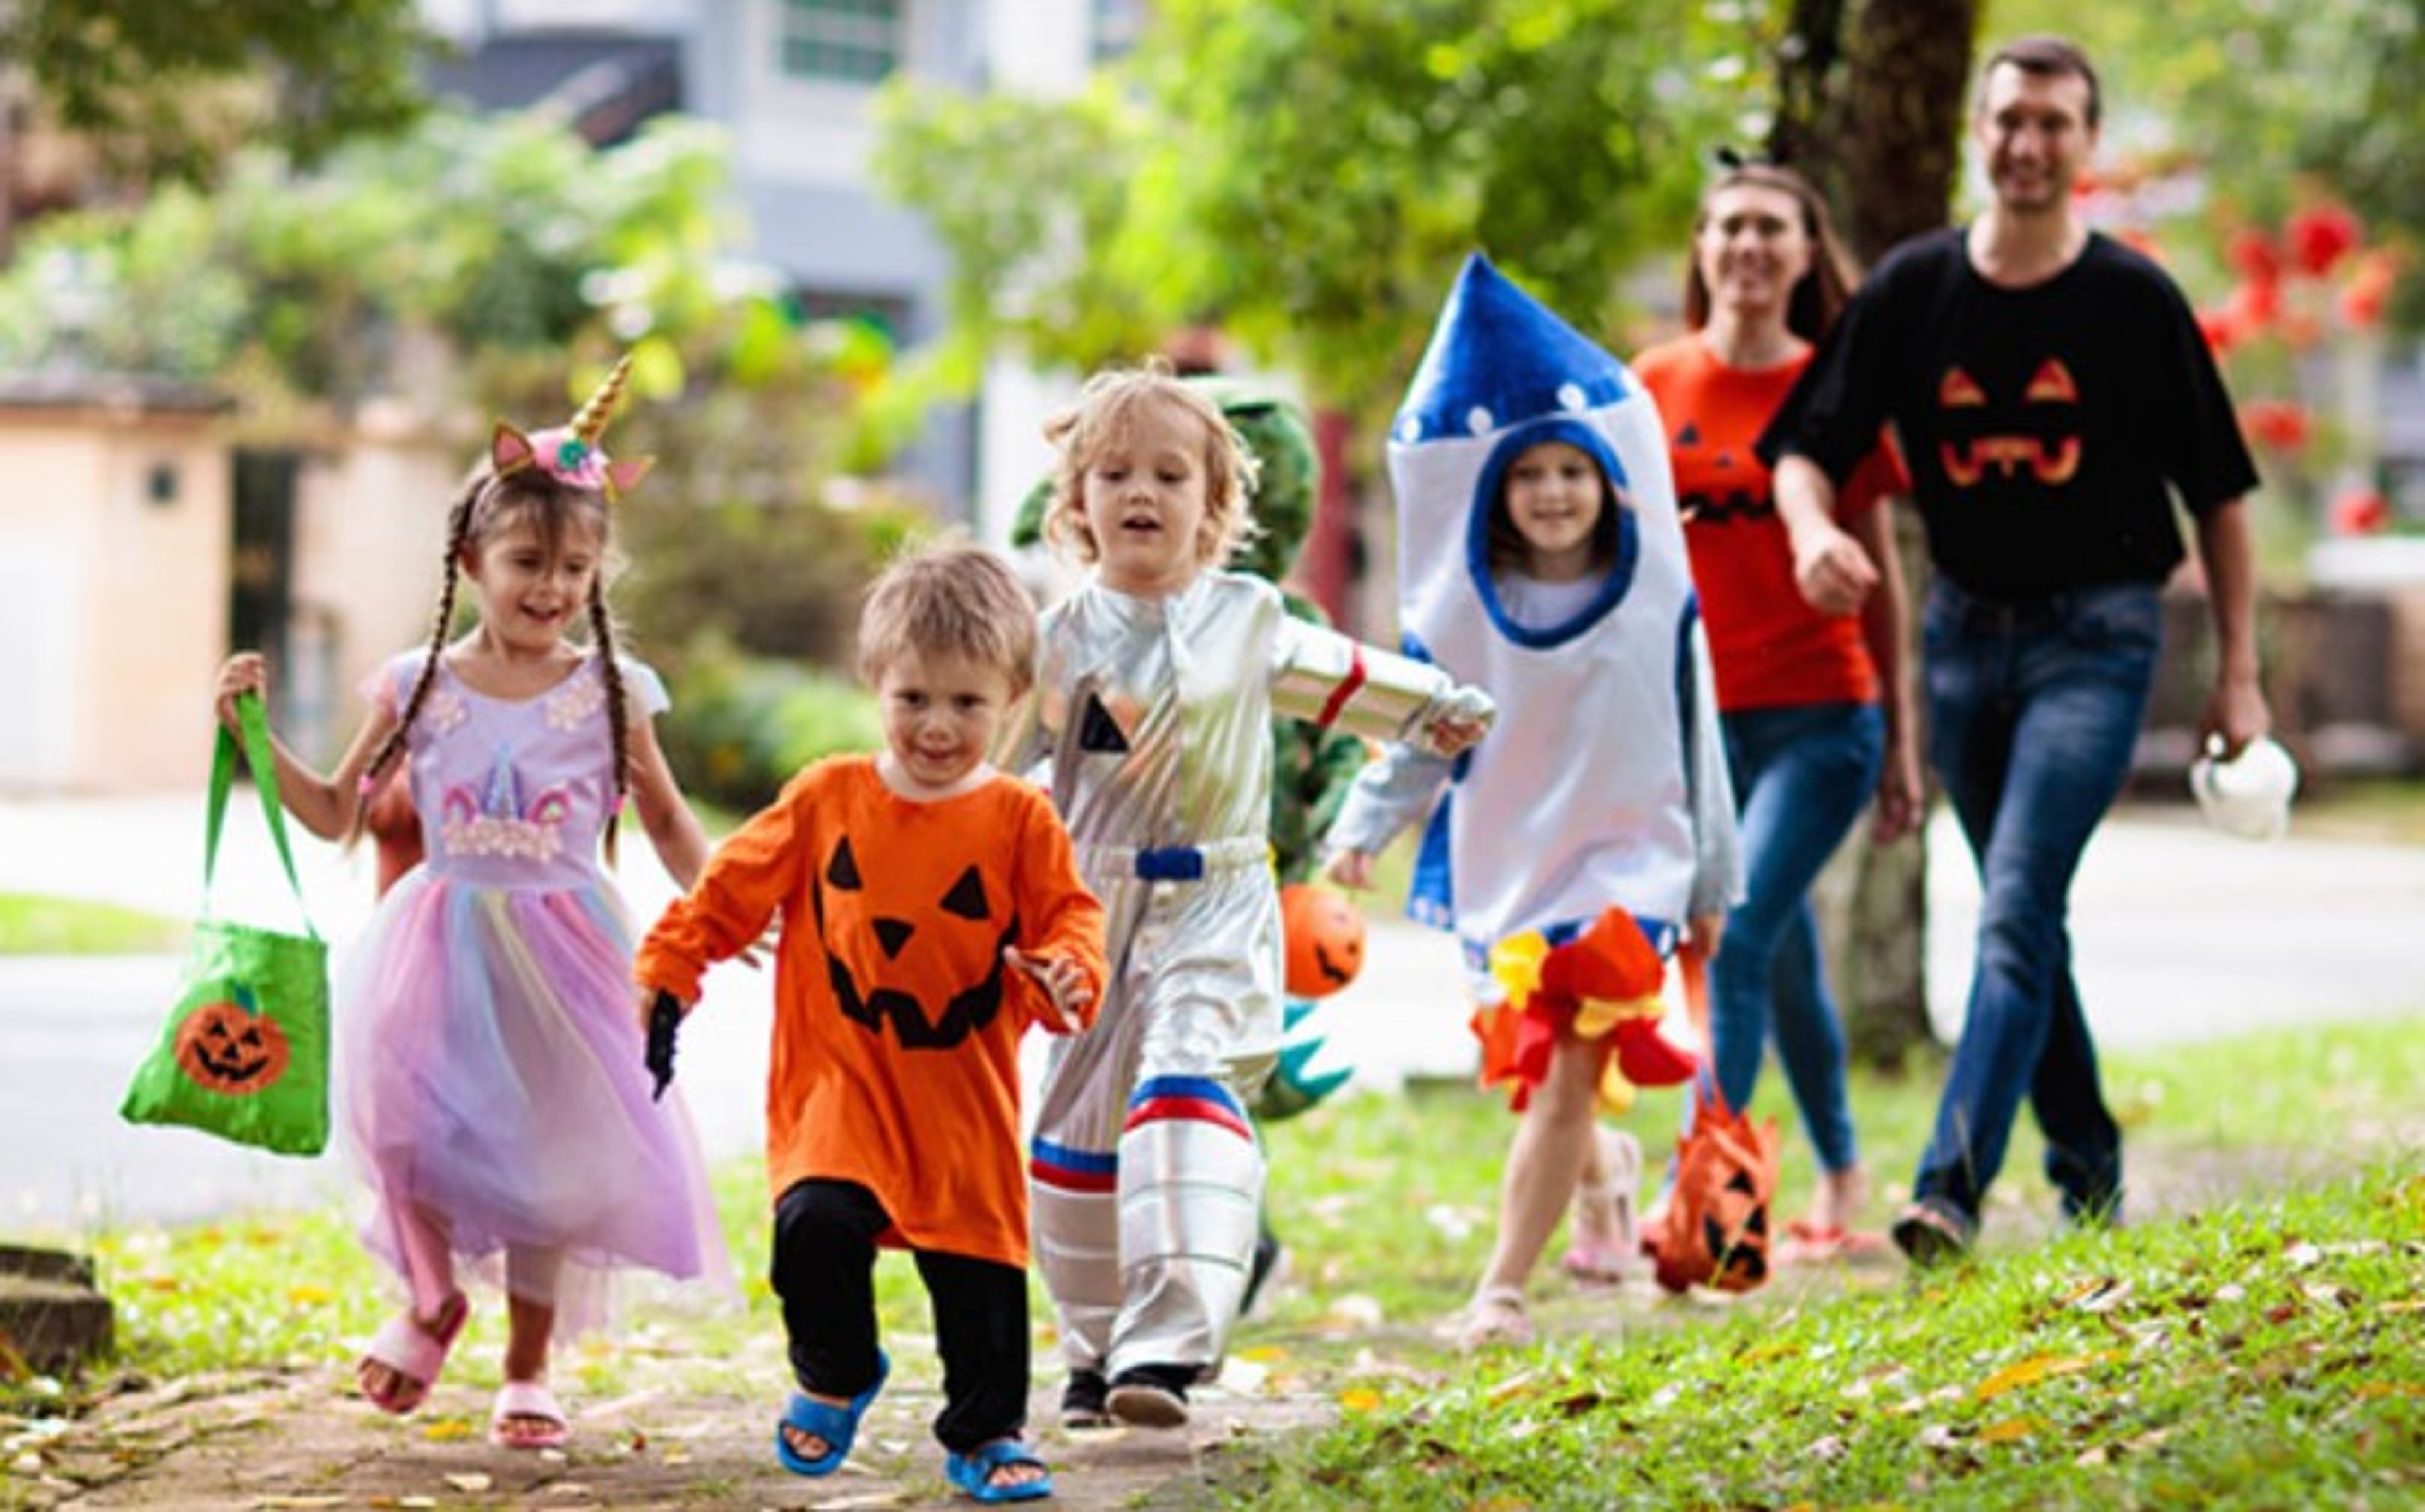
{"points": [[1829, 1448], [2010, 1430], [447, 1430], [2103, 1294], [1354, 1310], [2037, 1368], [2320, 1291], [2301, 1256], [1360, 1399], [1514, 1386], [1943, 1393]]}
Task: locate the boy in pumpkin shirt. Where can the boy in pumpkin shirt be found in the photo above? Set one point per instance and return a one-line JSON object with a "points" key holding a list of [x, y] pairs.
{"points": [[931, 911]]}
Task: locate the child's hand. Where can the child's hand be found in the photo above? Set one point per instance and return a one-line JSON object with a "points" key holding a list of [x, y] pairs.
{"points": [[1350, 869], [1063, 982], [246, 672], [1704, 933], [1459, 720]]}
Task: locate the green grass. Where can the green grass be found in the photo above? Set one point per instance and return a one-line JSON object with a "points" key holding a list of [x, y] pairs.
{"points": [[2258, 1354], [2249, 1341], [38, 926]]}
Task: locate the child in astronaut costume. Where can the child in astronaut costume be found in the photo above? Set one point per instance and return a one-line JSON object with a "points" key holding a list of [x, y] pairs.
{"points": [[1599, 807], [1158, 680]]}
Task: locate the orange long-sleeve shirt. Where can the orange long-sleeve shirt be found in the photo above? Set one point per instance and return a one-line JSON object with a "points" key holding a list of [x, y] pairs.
{"points": [[895, 1054]]}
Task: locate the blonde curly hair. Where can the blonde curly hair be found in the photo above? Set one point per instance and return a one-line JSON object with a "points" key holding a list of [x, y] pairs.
{"points": [[1106, 408]]}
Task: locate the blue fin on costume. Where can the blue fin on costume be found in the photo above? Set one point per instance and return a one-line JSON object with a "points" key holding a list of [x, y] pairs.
{"points": [[1498, 357], [1293, 1086]]}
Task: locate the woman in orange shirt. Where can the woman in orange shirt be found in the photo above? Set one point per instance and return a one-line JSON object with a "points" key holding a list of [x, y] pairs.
{"points": [[1812, 704]]}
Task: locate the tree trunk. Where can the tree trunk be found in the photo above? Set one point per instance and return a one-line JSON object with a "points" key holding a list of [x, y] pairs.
{"points": [[1870, 107]]}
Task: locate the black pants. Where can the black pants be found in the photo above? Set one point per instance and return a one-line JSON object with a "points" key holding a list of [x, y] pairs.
{"points": [[825, 1272]]}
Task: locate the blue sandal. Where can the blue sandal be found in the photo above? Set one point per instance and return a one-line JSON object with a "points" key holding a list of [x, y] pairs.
{"points": [[975, 1473], [836, 1425]]}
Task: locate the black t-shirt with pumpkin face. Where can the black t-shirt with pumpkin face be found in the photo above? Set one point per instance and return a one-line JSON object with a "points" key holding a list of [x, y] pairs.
{"points": [[2047, 429]]}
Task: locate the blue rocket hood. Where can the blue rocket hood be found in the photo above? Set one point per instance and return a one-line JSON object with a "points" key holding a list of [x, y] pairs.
{"points": [[1498, 356]]}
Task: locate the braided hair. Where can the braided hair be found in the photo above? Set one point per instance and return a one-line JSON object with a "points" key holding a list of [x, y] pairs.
{"points": [[488, 505]]}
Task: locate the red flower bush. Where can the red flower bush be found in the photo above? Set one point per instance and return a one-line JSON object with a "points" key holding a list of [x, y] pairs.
{"points": [[2280, 424], [2360, 511], [2320, 235]]}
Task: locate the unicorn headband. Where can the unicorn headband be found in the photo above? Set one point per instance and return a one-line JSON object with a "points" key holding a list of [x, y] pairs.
{"points": [[570, 453]]}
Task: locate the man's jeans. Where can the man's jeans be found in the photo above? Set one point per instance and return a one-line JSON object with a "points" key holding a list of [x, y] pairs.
{"points": [[2034, 709], [1803, 774]]}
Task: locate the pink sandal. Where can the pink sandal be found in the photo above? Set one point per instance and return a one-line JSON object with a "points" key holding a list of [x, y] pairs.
{"points": [[543, 1423], [416, 1353]]}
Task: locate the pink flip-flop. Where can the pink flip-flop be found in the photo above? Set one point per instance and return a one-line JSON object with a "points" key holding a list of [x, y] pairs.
{"points": [[1811, 1244], [416, 1353], [533, 1403]]}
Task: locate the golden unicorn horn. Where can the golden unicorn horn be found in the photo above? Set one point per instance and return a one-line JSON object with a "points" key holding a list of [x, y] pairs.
{"points": [[590, 422]]}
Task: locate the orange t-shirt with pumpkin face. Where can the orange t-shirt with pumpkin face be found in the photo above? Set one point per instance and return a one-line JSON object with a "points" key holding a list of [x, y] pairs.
{"points": [[1768, 647], [896, 1056]]}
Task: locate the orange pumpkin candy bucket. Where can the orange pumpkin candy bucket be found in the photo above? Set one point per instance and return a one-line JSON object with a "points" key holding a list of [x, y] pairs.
{"points": [[1325, 939]]}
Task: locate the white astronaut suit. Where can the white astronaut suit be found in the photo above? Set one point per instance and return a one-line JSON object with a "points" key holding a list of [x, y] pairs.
{"points": [[1152, 724]]}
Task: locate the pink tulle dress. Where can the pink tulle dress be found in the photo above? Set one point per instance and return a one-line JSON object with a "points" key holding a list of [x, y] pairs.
{"points": [[488, 1068]]}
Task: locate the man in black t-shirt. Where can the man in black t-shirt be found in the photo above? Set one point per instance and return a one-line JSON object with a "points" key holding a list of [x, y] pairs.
{"points": [[2052, 394]]}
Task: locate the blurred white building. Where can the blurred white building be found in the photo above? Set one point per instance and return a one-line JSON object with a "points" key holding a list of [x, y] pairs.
{"points": [[793, 82]]}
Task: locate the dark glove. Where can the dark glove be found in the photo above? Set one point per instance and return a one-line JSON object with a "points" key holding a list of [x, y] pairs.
{"points": [[665, 1021]]}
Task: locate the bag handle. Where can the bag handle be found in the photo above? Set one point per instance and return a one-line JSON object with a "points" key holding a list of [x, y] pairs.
{"points": [[263, 761]]}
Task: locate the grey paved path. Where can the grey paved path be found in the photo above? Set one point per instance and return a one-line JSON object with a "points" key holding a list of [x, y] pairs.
{"points": [[2178, 933]]}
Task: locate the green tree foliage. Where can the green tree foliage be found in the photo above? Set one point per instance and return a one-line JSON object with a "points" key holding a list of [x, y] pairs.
{"points": [[1313, 175], [525, 259], [170, 86]]}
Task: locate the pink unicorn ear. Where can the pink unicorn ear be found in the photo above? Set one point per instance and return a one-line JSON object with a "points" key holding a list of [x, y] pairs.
{"points": [[623, 475], [511, 451]]}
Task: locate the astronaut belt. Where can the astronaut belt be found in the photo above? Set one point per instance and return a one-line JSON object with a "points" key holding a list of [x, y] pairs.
{"points": [[1175, 862]]}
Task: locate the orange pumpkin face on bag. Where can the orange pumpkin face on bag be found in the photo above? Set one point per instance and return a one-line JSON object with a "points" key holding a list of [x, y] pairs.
{"points": [[1324, 934], [225, 1047], [1716, 1229], [914, 941]]}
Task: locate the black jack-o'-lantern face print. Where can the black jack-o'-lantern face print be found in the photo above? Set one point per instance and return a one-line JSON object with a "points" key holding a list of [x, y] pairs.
{"points": [[1717, 502], [916, 893], [224, 1047], [2048, 451]]}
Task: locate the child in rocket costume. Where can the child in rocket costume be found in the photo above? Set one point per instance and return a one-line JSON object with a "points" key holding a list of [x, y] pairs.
{"points": [[1158, 682], [1570, 849]]}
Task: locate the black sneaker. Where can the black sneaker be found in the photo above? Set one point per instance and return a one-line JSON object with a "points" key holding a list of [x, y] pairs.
{"points": [[1152, 1396], [1268, 1257], [1933, 1231], [1081, 1401]]}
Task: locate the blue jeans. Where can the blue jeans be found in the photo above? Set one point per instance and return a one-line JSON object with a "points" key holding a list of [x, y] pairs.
{"points": [[2034, 709], [1802, 775]]}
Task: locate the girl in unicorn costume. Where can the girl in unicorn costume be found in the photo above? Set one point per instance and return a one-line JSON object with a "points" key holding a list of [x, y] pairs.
{"points": [[1540, 555]]}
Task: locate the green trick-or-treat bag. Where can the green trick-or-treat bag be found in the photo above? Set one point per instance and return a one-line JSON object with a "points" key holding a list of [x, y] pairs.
{"points": [[243, 1054]]}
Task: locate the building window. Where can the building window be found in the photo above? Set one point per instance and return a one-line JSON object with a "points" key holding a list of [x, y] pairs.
{"points": [[1115, 25], [843, 41]]}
